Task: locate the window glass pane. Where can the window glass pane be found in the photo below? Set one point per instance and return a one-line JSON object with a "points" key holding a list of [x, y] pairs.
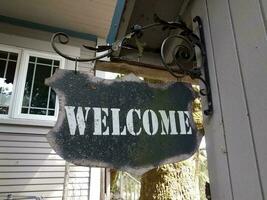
{"points": [[24, 110], [52, 100], [2, 68], [56, 63], [51, 112], [7, 74], [3, 54], [32, 59], [44, 61], [10, 72], [13, 56], [28, 86], [38, 111], [38, 98], [40, 90]]}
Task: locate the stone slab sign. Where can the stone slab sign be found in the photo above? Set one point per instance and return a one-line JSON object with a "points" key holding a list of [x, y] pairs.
{"points": [[124, 123]]}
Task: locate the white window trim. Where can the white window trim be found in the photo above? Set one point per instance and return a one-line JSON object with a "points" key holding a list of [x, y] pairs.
{"points": [[19, 92], [14, 113]]}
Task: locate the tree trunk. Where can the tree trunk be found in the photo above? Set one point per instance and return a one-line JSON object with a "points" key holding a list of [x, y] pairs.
{"points": [[174, 181], [170, 182]]}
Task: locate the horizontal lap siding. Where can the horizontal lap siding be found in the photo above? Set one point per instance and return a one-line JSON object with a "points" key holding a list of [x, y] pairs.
{"points": [[86, 66], [29, 167]]}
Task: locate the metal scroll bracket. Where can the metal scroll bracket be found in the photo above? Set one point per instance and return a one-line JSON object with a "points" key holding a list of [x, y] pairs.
{"points": [[182, 53], [209, 110]]}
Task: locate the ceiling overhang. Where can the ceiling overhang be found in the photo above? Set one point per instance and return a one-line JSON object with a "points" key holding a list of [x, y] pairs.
{"points": [[142, 13], [85, 19]]}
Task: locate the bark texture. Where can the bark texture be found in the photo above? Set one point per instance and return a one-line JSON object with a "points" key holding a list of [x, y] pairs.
{"points": [[169, 182]]}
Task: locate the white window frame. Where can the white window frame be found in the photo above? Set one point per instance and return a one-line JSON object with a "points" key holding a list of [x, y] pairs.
{"points": [[19, 84], [11, 104]]}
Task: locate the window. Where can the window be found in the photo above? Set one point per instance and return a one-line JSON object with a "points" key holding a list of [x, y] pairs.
{"points": [[8, 64], [23, 93], [38, 98]]}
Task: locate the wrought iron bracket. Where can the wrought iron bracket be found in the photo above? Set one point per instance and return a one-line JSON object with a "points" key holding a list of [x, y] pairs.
{"points": [[209, 110], [183, 51]]}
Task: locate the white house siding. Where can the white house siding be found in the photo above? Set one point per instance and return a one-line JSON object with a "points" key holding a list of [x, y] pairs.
{"points": [[236, 133], [28, 166]]}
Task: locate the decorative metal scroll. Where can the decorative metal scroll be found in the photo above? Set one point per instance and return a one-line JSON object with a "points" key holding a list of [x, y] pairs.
{"points": [[182, 52]]}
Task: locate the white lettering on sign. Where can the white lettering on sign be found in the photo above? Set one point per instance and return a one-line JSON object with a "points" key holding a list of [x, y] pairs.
{"points": [[130, 121], [150, 118], [80, 119], [116, 122], [168, 124], [151, 122]]}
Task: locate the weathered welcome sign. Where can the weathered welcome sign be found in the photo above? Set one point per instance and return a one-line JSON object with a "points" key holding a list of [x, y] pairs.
{"points": [[125, 123]]}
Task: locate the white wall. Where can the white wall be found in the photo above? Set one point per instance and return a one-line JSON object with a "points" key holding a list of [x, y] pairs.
{"points": [[236, 134], [28, 165]]}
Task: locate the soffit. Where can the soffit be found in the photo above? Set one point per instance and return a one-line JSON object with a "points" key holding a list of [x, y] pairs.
{"points": [[86, 16], [144, 11]]}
